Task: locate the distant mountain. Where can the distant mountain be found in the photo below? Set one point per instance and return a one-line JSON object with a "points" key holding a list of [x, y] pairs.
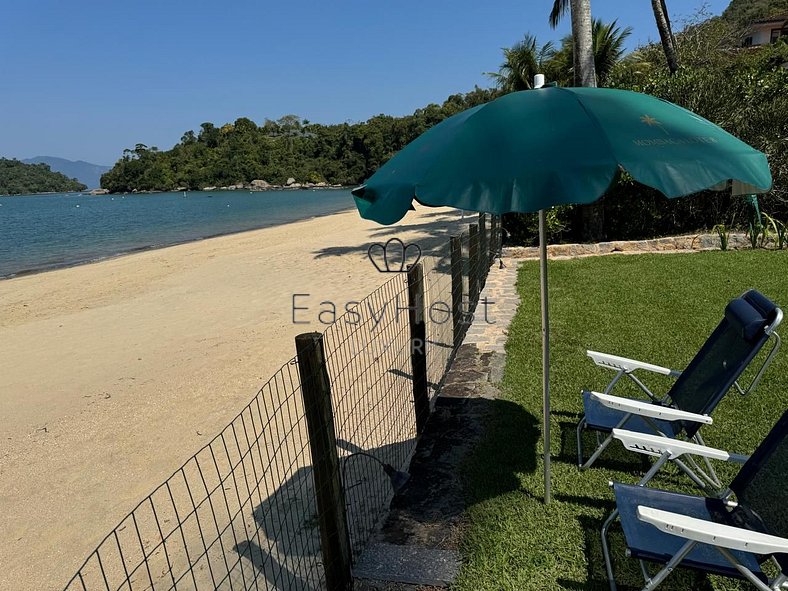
{"points": [[85, 172]]}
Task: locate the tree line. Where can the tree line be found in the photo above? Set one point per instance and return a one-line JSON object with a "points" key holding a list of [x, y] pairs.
{"points": [[18, 178], [290, 147]]}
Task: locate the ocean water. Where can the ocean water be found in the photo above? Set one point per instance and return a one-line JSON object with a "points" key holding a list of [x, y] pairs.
{"points": [[40, 232]]}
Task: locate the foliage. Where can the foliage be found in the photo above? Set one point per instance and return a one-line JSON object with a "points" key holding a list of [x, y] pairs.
{"points": [[628, 305], [242, 151], [776, 230], [526, 58], [525, 229], [521, 63], [18, 178], [724, 233], [743, 12], [559, 10], [608, 46], [742, 90], [756, 235]]}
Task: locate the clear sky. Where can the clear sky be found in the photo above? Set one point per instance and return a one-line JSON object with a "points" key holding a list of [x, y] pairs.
{"points": [[84, 79]]}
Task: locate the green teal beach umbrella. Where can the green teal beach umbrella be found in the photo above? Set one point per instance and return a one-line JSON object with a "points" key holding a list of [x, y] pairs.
{"points": [[528, 151]]}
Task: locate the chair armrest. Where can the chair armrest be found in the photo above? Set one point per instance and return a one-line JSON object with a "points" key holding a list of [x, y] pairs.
{"points": [[715, 534], [624, 364], [649, 409], [656, 445]]}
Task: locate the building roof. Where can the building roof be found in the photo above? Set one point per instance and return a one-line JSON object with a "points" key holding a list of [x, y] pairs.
{"points": [[777, 18]]}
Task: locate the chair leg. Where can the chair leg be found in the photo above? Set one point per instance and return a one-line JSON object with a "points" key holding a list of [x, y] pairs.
{"points": [[713, 478], [581, 425], [597, 452], [694, 477], [656, 467], [670, 566], [745, 572], [606, 549]]}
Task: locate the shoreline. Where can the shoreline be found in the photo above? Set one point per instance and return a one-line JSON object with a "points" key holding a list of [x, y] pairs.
{"points": [[154, 247], [89, 192]]}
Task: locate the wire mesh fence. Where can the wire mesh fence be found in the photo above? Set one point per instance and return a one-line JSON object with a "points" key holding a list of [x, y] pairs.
{"points": [[369, 365], [243, 513], [439, 317], [239, 514]]}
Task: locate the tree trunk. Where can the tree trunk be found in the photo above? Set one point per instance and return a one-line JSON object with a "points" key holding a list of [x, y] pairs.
{"points": [[592, 215], [585, 71], [666, 34]]}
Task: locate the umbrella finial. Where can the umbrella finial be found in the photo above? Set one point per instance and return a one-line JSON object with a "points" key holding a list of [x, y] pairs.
{"points": [[538, 80]]}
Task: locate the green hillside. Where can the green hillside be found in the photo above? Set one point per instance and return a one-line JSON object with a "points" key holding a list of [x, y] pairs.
{"points": [[743, 12], [18, 178]]}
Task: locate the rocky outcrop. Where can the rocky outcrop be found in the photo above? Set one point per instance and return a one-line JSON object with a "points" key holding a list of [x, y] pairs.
{"points": [[260, 185]]}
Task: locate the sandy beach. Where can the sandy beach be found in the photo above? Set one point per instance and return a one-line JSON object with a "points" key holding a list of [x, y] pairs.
{"points": [[112, 374]]}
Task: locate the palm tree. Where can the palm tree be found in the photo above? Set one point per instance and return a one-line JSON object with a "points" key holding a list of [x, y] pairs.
{"points": [[582, 37], [604, 47], [666, 34], [608, 50], [521, 62], [608, 47]]}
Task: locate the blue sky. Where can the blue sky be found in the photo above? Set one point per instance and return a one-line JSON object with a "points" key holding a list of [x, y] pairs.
{"points": [[86, 78]]}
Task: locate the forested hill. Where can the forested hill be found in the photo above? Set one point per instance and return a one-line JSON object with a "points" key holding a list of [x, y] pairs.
{"points": [[290, 147], [18, 178], [742, 12]]}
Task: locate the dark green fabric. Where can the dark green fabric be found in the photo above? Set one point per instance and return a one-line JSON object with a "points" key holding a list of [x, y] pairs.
{"points": [[534, 149]]}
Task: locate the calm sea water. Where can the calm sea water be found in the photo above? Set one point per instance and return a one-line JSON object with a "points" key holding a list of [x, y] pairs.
{"points": [[39, 232]]}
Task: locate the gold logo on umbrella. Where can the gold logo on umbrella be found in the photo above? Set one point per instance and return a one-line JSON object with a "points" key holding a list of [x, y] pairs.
{"points": [[651, 122]]}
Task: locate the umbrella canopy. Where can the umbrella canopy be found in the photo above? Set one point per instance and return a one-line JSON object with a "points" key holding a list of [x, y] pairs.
{"points": [[528, 151], [531, 150]]}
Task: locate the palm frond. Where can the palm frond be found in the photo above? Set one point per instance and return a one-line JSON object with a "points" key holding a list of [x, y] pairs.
{"points": [[560, 8]]}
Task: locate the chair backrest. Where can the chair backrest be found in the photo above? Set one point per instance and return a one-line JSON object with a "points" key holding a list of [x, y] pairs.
{"points": [[760, 487], [724, 356]]}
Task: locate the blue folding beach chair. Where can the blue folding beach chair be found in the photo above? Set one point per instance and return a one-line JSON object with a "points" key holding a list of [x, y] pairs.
{"points": [[749, 322], [731, 536]]}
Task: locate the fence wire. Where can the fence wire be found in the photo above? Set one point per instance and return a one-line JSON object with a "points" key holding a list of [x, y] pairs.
{"points": [[368, 358], [438, 316], [241, 514]]}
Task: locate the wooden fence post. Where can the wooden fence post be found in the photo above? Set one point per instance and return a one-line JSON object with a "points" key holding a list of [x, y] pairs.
{"points": [[494, 224], [484, 240], [473, 266], [316, 390], [456, 288], [418, 345]]}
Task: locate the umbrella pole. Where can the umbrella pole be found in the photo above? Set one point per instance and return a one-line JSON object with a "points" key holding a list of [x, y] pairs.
{"points": [[545, 351]]}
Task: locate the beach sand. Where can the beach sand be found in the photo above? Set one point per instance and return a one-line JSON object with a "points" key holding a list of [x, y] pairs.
{"points": [[112, 374]]}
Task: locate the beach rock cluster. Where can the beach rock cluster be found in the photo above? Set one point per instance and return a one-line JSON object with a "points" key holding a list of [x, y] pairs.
{"points": [[255, 185], [261, 185]]}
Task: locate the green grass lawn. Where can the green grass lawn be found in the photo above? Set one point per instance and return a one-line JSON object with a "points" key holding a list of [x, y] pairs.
{"points": [[657, 308]]}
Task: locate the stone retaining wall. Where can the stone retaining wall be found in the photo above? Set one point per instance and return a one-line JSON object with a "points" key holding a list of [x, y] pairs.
{"points": [[689, 243]]}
